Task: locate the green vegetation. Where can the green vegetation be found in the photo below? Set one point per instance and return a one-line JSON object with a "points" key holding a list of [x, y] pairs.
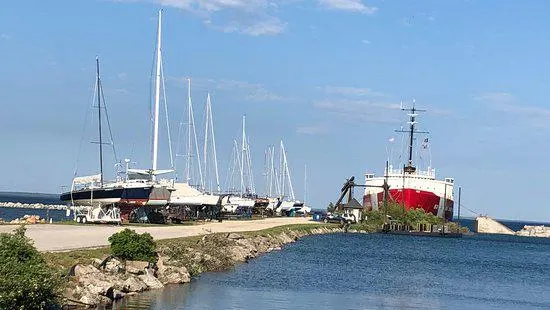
{"points": [[397, 213], [27, 282], [129, 245]]}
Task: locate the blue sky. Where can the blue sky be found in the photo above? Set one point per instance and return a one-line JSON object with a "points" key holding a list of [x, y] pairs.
{"points": [[327, 76]]}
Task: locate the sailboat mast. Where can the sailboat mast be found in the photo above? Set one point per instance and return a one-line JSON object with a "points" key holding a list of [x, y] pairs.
{"points": [[243, 150], [98, 82], [188, 163], [305, 183], [157, 96], [205, 149], [285, 167], [214, 144]]}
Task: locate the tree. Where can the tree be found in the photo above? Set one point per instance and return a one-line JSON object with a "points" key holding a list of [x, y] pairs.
{"points": [[330, 207], [26, 281], [129, 245]]}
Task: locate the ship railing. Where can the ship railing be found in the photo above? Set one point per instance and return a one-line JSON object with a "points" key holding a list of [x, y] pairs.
{"points": [[392, 172]]}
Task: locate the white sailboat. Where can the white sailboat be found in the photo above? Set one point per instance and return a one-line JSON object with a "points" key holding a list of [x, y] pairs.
{"points": [[186, 194], [241, 163], [289, 202], [153, 190]]}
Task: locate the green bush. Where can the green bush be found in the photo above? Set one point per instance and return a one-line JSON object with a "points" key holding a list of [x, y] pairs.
{"points": [[129, 245], [26, 281]]}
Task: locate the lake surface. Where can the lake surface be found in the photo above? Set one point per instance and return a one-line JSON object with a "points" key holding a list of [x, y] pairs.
{"points": [[375, 271], [9, 214]]}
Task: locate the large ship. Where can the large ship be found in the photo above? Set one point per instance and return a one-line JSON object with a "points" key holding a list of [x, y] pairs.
{"points": [[411, 187]]}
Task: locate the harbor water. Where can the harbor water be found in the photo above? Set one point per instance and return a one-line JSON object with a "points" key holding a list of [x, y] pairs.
{"points": [[374, 271]]}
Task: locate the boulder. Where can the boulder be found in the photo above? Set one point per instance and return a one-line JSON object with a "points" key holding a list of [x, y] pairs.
{"points": [[136, 267], [149, 279], [113, 265], [234, 236], [133, 284], [82, 270], [114, 294]]}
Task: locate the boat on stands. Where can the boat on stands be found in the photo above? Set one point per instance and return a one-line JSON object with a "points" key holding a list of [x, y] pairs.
{"points": [[411, 187]]}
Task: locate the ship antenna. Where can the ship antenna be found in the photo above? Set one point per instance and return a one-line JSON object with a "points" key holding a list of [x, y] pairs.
{"points": [[412, 122]]}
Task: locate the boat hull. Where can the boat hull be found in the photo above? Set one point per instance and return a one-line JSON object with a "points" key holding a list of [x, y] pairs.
{"points": [[93, 197], [412, 199]]}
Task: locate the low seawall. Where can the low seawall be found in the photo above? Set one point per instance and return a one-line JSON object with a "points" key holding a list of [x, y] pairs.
{"points": [[105, 280], [487, 225]]}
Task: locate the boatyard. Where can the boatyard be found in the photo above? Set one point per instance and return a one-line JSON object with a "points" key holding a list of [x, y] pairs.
{"points": [[263, 154]]}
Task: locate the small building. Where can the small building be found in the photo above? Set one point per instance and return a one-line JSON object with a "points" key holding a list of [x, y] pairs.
{"points": [[355, 208]]}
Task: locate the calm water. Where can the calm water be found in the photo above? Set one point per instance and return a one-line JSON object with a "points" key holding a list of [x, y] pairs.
{"points": [[9, 214], [355, 271]]}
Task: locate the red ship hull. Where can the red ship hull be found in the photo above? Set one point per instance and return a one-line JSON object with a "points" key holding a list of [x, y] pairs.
{"points": [[414, 199]]}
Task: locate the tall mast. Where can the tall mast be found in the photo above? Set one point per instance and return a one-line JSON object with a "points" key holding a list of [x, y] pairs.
{"points": [[188, 163], [287, 171], [214, 145], [205, 149], [157, 95], [99, 116], [305, 183], [412, 122], [210, 127], [243, 150]]}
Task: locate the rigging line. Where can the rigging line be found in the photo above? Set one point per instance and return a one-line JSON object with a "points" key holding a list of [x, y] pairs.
{"points": [[108, 122], [474, 212], [86, 116], [166, 113]]}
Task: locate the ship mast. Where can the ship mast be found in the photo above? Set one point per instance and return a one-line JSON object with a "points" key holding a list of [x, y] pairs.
{"points": [[409, 168], [157, 98], [99, 117]]}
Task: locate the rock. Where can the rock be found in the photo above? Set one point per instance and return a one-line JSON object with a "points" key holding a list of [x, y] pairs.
{"points": [[113, 265], [133, 284], [534, 231], [96, 285], [82, 270], [149, 279], [136, 267], [172, 274], [114, 294], [234, 236]]}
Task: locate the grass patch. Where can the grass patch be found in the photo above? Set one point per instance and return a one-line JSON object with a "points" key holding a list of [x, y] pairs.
{"points": [[65, 260]]}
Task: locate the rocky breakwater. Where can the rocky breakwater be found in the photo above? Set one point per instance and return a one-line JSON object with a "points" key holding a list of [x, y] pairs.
{"points": [[26, 219], [107, 280], [31, 206], [534, 231]]}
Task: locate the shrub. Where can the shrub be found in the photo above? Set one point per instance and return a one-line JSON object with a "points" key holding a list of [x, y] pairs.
{"points": [[26, 281], [129, 245]]}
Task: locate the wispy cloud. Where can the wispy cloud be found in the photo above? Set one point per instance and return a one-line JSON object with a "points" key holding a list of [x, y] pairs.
{"points": [[250, 17], [240, 89], [506, 102], [351, 91], [360, 110], [348, 5], [312, 130], [5, 36]]}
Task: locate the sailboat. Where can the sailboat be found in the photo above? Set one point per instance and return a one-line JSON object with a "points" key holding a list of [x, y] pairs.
{"points": [[92, 192], [288, 203], [185, 194], [245, 198]]}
